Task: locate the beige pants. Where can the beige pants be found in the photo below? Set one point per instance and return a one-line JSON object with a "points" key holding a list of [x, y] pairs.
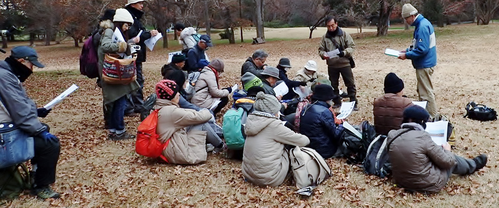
{"points": [[425, 89]]}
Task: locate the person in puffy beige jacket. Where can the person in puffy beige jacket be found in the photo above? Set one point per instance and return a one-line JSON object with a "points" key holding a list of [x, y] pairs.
{"points": [[185, 145], [207, 90], [265, 159]]}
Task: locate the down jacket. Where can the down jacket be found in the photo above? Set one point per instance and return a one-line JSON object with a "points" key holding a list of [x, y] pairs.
{"points": [[317, 123], [184, 147], [418, 163], [388, 112], [206, 89], [186, 38], [249, 66], [265, 160]]}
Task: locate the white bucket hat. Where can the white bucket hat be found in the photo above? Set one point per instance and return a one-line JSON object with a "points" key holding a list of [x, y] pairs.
{"points": [[311, 65], [133, 2]]}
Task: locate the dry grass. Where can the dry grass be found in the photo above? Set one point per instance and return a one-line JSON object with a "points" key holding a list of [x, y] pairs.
{"points": [[94, 172]]}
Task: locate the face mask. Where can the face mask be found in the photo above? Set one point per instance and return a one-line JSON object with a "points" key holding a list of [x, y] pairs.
{"points": [[21, 71], [329, 103]]}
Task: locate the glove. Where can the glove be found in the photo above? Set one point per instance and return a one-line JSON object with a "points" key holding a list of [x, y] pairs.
{"points": [[341, 54], [312, 80], [49, 137], [303, 83], [228, 89], [42, 112]]}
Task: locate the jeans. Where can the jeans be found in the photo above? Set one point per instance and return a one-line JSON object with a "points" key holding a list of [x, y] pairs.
{"points": [[117, 121]]}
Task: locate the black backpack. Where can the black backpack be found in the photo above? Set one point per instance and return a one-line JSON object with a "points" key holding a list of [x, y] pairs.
{"points": [[480, 112], [354, 148], [14, 180]]}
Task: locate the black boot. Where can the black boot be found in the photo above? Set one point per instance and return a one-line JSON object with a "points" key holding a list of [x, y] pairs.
{"points": [[481, 161], [337, 102], [355, 108]]}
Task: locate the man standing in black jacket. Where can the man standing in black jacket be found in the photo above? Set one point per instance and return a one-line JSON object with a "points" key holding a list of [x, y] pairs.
{"points": [[135, 7]]}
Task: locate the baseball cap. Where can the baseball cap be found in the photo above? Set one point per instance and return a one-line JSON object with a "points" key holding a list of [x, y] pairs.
{"points": [[26, 53], [206, 39]]}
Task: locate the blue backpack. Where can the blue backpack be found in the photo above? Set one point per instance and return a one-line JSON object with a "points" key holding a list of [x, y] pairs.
{"points": [[233, 128]]}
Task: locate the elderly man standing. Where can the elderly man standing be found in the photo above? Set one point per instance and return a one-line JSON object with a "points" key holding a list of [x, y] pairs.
{"points": [[423, 53], [337, 47], [135, 7], [255, 63]]}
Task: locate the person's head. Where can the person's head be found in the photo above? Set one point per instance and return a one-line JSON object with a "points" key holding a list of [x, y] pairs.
{"points": [[178, 28], [218, 65], [331, 23], [137, 4], [323, 92], [409, 13], [271, 74], [179, 60], [259, 57], [393, 84], [252, 91], [168, 90], [205, 42], [108, 15], [26, 56], [284, 63], [123, 19], [416, 114], [175, 75], [310, 67], [267, 103]]}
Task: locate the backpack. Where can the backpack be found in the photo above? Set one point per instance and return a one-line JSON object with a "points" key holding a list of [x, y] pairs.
{"points": [[192, 79], [89, 63], [480, 112], [308, 166], [233, 128], [377, 161], [147, 143], [196, 37], [354, 146], [14, 180]]}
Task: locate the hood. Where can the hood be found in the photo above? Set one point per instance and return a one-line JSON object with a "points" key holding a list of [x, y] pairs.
{"points": [[187, 32], [256, 123], [163, 103], [106, 24]]}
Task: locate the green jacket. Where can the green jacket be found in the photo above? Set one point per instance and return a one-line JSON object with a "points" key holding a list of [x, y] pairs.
{"points": [[345, 43]]}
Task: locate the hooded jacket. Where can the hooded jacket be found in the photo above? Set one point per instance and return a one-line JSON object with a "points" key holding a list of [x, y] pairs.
{"points": [[265, 160], [207, 91], [186, 38], [424, 44]]}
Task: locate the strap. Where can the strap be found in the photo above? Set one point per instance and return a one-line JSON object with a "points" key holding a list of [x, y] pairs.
{"points": [[202, 88], [389, 143]]}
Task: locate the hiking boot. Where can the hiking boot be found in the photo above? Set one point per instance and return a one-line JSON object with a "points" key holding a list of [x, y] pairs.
{"points": [[343, 95], [122, 136], [221, 148], [481, 161], [45, 193]]}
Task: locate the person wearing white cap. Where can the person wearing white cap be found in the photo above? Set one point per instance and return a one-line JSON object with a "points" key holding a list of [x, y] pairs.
{"points": [[309, 74], [423, 53]]}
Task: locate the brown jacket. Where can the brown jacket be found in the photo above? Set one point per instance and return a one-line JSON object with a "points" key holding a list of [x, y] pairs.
{"points": [[345, 41], [184, 147], [388, 112], [418, 163]]}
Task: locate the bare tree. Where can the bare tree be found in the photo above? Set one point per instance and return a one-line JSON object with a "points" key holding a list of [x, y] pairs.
{"points": [[485, 10], [259, 19]]}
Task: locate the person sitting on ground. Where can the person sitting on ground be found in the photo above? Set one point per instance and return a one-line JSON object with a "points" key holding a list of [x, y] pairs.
{"points": [[178, 62], [184, 35], [310, 75], [185, 145], [207, 87], [283, 66], [388, 109], [19, 116], [265, 159], [318, 124], [270, 76], [255, 64], [197, 53], [418, 163]]}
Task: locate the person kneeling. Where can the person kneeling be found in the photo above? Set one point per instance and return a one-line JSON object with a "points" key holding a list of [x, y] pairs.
{"points": [[179, 127], [265, 159], [418, 163]]}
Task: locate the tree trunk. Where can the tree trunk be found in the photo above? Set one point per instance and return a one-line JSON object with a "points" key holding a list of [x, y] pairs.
{"points": [[207, 18], [241, 16], [259, 19], [76, 42], [4, 41], [385, 11]]}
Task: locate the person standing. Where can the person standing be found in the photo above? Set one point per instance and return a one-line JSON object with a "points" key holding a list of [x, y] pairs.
{"points": [[136, 7], [423, 54], [337, 47], [185, 37], [19, 116]]}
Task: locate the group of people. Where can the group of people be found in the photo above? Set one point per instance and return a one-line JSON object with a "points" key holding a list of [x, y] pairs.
{"points": [[187, 124]]}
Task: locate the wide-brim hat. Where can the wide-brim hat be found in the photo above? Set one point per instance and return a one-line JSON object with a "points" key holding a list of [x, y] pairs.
{"points": [[284, 62], [311, 65], [271, 71]]}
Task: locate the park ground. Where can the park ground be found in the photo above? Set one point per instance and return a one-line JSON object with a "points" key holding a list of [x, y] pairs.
{"points": [[95, 172]]}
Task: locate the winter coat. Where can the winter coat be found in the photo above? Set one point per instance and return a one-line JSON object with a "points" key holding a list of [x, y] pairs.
{"points": [[301, 76], [317, 123], [267, 89], [290, 83], [249, 66], [206, 89], [345, 43], [265, 160], [424, 45], [134, 31], [193, 56], [388, 112], [186, 39], [183, 147], [111, 92], [417, 162]]}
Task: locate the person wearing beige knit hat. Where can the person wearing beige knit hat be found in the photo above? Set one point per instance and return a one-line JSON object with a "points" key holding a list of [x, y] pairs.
{"points": [[423, 54]]}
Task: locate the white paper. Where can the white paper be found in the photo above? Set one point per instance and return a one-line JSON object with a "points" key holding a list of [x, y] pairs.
{"points": [[117, 36], [392, 52], [170, 55], [420, 103], [333, 53], [234, 88], [61, 97], [152, 41], [437, 131], [138, 35], [215, 105], [303, 92], [352, 129], [281, 89], [346, 109]]}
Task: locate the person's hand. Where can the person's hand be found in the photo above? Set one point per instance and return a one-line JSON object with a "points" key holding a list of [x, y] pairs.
{"points": [[136, 39], [446, 146], [228, 89], [279, 97], [303, 83], [42, 112], [402, 56], [341, 54], [312, 80], [49, 137], [153, 32]]}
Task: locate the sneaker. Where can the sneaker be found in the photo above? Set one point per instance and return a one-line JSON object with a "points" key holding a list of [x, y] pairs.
{"points": [[45, 193], [121, 136], [222, 148], [481, 161], [209, 147]]}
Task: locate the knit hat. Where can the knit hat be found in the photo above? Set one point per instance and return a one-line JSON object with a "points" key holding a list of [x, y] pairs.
{"points": [[202, 63], [218, 65], [108, 14], [416, 113], [408, 10], [166, 89], [133, 2], [26, 53], [323, 92], [311, 65], [271, 71], [122, 15], [284, 62], [267, 103], [178, 57], [393, 84]]}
